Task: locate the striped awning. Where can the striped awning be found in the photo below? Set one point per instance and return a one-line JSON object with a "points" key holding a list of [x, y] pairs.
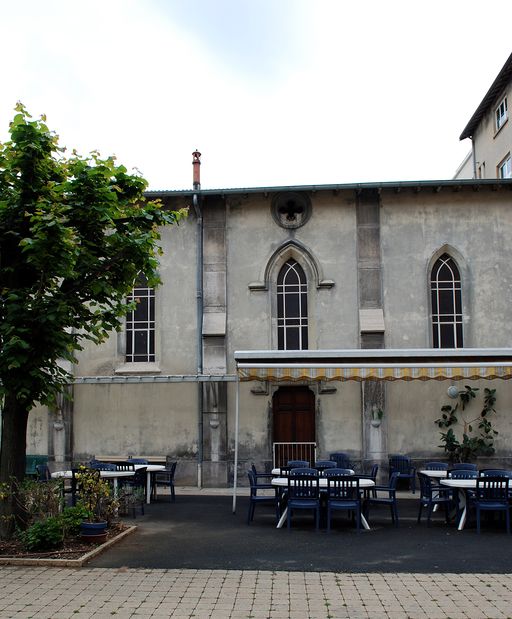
{"points": [[387, 365]]}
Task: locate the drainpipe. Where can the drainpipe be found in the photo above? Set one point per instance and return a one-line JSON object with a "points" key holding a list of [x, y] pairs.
{"points": [[473, 149], [196, 162]]}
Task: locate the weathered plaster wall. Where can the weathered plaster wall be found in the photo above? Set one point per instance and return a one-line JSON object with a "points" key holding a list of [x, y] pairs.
{"points": [[477, 226]]}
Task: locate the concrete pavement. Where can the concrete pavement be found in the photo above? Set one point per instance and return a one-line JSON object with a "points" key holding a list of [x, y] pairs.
{"points": [[53, 593], [176, 566]]}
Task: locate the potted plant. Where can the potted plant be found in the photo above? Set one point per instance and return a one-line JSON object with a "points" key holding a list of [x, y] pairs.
{"points": [[94, 495], [376, 416]]}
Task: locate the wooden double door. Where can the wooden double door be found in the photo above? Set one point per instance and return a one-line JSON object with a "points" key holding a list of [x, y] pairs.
{"points": [[294, 415]]}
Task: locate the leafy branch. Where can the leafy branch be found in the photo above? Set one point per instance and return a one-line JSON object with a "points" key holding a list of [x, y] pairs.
{"points": [[482, 443]]}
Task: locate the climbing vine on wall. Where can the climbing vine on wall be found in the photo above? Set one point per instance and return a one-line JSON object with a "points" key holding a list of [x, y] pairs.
{"points": [[477, 433]]}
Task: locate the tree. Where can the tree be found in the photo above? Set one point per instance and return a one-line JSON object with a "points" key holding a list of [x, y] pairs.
{"points": [[477, 434], [74, 234]]}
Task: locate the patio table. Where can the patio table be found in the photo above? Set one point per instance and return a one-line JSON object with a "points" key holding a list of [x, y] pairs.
{"points": [[462, 485], [434, 474], [283, 482], [115, 475], [277, 472]]}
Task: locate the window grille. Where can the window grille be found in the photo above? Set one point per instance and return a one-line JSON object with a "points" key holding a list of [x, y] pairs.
{"points": [[140, 323], [446, 294], [292, 307]]}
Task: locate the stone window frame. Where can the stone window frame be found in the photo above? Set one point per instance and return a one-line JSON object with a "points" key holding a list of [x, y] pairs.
{"points": [[458, 297], [285, 289]]}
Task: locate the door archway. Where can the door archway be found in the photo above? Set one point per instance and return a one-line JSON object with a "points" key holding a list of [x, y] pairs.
{"points": [[293, 422]]}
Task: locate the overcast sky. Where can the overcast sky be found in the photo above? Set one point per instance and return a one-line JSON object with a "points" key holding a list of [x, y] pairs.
{"points": [[272, 92]]}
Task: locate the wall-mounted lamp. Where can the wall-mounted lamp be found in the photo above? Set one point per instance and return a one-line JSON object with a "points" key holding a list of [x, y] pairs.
{"points": [[453, 392]]}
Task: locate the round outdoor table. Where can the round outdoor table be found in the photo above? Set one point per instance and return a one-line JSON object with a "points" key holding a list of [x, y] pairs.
{"points": [[322, 482]]}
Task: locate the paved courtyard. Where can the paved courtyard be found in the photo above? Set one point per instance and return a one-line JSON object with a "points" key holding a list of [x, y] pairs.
{"points": [[195, 559], [55, 593]]}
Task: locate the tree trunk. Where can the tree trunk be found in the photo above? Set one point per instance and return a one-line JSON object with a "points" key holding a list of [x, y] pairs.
{"points": [[12, 461]]}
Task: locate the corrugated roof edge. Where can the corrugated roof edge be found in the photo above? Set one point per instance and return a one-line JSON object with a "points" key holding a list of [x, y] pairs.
{"points": [[497, 86], [393, 185]]}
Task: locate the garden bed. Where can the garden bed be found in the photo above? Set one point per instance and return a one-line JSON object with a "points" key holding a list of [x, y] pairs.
{"points": [[73, 553]]}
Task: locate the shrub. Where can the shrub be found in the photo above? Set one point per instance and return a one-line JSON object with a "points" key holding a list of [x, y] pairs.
{"points": [[71, 518], [43, 535]]}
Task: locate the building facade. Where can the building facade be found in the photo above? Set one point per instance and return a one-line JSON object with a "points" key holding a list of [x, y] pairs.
{"points": [[390, 265], [490, 132]]}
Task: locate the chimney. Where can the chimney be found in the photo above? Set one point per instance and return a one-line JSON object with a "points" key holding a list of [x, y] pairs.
{"points": [[196, 163]]}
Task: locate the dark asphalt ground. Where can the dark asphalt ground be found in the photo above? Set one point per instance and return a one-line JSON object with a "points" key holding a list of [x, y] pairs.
{"points": [[201, 532]]}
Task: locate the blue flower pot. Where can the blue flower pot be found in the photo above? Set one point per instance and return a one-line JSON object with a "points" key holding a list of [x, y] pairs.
{"points": [[94, 531]]}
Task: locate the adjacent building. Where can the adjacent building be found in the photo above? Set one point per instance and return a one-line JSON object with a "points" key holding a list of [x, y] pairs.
{"points": [[490, 132]]}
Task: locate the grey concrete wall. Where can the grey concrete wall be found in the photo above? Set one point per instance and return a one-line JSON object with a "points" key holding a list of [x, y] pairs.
{"points": [[157, 419], [477, 227]]}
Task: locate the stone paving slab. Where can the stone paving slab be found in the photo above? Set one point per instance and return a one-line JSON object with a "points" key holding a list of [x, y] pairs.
{"points": [[64, 593]]}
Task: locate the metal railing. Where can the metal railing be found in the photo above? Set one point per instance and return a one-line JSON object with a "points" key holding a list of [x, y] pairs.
{"points": [[282, 452]]}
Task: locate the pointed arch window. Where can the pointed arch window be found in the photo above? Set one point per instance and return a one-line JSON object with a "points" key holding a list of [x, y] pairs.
{"points": [[140, 323], [446, 294], [292, 307]]}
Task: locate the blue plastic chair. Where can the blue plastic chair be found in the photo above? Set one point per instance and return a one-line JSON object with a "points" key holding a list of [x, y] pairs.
{"points": [[342, 459], [494, 473], [165, 478], [333, 471], [267, 477], [43, 472], [436, 466], [303, 492], [465, 466], [321, 465], [431, 496], [389, 498], [462, 474], [343, 494], [102, 466], [297, 464], [138, 460], [492, 494], [402, 465], [255, 498]]}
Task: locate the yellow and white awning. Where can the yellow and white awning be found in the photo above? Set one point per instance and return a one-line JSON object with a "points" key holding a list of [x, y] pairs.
{"points": [[376, 364]]}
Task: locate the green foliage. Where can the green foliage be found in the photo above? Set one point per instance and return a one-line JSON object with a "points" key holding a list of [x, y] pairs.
{"points": [[477, 434], [74, 234], [71, 518], [43, 535], [35, 500], [95, 496]]}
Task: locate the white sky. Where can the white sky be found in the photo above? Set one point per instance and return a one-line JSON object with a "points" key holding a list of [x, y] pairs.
{"points": [[272, 92]]}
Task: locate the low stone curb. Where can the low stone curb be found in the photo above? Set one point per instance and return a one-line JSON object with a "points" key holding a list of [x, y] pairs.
{"points": [[68, 562]]}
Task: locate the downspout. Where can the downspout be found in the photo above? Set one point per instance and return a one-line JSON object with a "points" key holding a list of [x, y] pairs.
{"points": [[196, 162], [473, 149]]}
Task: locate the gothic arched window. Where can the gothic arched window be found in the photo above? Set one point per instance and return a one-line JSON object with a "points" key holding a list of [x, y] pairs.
{"points": [[446, 294], [292, 307]]}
